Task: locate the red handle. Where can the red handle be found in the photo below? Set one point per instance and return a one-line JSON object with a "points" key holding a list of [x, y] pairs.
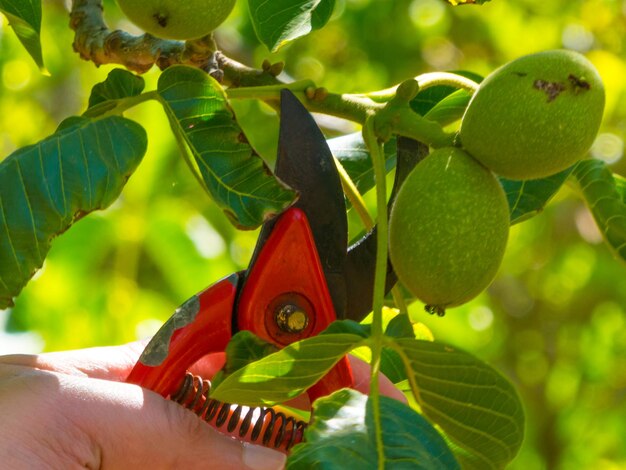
{"points": [[288, 274], [200, 326]]}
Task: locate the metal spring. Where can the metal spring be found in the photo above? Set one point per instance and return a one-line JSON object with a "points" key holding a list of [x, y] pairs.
{"points": [[287, 431]]}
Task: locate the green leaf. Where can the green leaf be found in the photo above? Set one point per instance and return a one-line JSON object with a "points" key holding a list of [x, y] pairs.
{"points": [[343, 430], [528, 198], [25, 18], [395, 324], [244, 348], [119, 84], [604, 195], [348, 327], [392, 366], [45, 188], [280, 21], [477, 408], [354, 156], [238, 179], [443, 103], [287, 373], [620, 185], [400, 327], [450, 109]]}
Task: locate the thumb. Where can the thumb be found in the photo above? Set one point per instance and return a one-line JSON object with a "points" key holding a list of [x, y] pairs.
{"points": [[136, 428]]}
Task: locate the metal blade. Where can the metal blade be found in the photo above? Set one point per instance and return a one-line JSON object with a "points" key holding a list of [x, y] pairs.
{"points": [[361, 260], [306, 164]]}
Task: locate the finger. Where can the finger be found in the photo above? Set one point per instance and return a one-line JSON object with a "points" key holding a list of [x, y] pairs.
{"points": [[136, 428], [362, 372], [110, 362]]}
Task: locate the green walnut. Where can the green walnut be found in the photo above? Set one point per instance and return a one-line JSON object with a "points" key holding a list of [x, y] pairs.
{"points": [[174, 19], [448, 229], [535, 116]]}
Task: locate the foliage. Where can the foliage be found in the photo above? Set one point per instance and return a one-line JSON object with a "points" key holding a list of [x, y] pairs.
{"points": [[552, 320]]}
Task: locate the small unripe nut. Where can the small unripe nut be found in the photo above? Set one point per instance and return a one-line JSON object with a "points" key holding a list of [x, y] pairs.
{"points": [[448, 229], [173, 19], [535, 116]]}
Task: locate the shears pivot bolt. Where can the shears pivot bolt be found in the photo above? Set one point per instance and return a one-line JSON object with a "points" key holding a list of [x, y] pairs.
{"points": [[291, 319]]}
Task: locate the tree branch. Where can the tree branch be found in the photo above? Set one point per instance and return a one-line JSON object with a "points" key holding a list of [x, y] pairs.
{"points": [[94, 41]]}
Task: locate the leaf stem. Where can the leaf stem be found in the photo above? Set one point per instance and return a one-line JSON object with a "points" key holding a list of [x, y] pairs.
{"points": [[378, 161], [124, 104], [425, 81], [267, 92], [353, 107], [354, 196]]}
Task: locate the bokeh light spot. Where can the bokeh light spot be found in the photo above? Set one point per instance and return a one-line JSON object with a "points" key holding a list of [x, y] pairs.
{"points": [[481, 318], [16, 75], [608, 147]]}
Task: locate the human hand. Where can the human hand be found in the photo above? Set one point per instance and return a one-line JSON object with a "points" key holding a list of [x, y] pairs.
{"points": [[72, 409]]}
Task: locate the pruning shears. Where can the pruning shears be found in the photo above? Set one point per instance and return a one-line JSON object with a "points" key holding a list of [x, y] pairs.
{"points": [[302, 277]]}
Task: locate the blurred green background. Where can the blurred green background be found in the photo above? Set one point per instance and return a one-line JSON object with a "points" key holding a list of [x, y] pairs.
{"points": [[554, 319]]}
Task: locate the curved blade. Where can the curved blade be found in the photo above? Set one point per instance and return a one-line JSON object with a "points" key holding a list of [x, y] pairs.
{"points": [[306, 164], [361, 260]]}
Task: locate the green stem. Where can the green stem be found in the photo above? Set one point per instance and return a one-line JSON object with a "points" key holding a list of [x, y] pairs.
{"points": [[350, 107], [425, 81], [125, 104], [354, 196], [268, 92], [376, 345], [117, 107], [407, 123], [398, 300], [353, 107]]}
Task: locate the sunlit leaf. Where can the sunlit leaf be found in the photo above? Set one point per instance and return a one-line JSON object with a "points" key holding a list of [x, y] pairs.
{"points": [[604, 195], [528, 198], [286, 373], [25, 18], [343, 430], [238, 179], [476, 407], [45, 188], [620, 185], [119, 84], [244, 348], [280, 21]]}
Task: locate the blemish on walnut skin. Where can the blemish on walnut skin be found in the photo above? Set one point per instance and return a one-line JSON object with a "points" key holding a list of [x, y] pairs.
{"points": [[520, 74], [579, 84], [551, 89], [160, 19]]}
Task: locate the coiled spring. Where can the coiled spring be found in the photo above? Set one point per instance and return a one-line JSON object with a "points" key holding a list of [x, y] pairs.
{"points": [[271, 428]]}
